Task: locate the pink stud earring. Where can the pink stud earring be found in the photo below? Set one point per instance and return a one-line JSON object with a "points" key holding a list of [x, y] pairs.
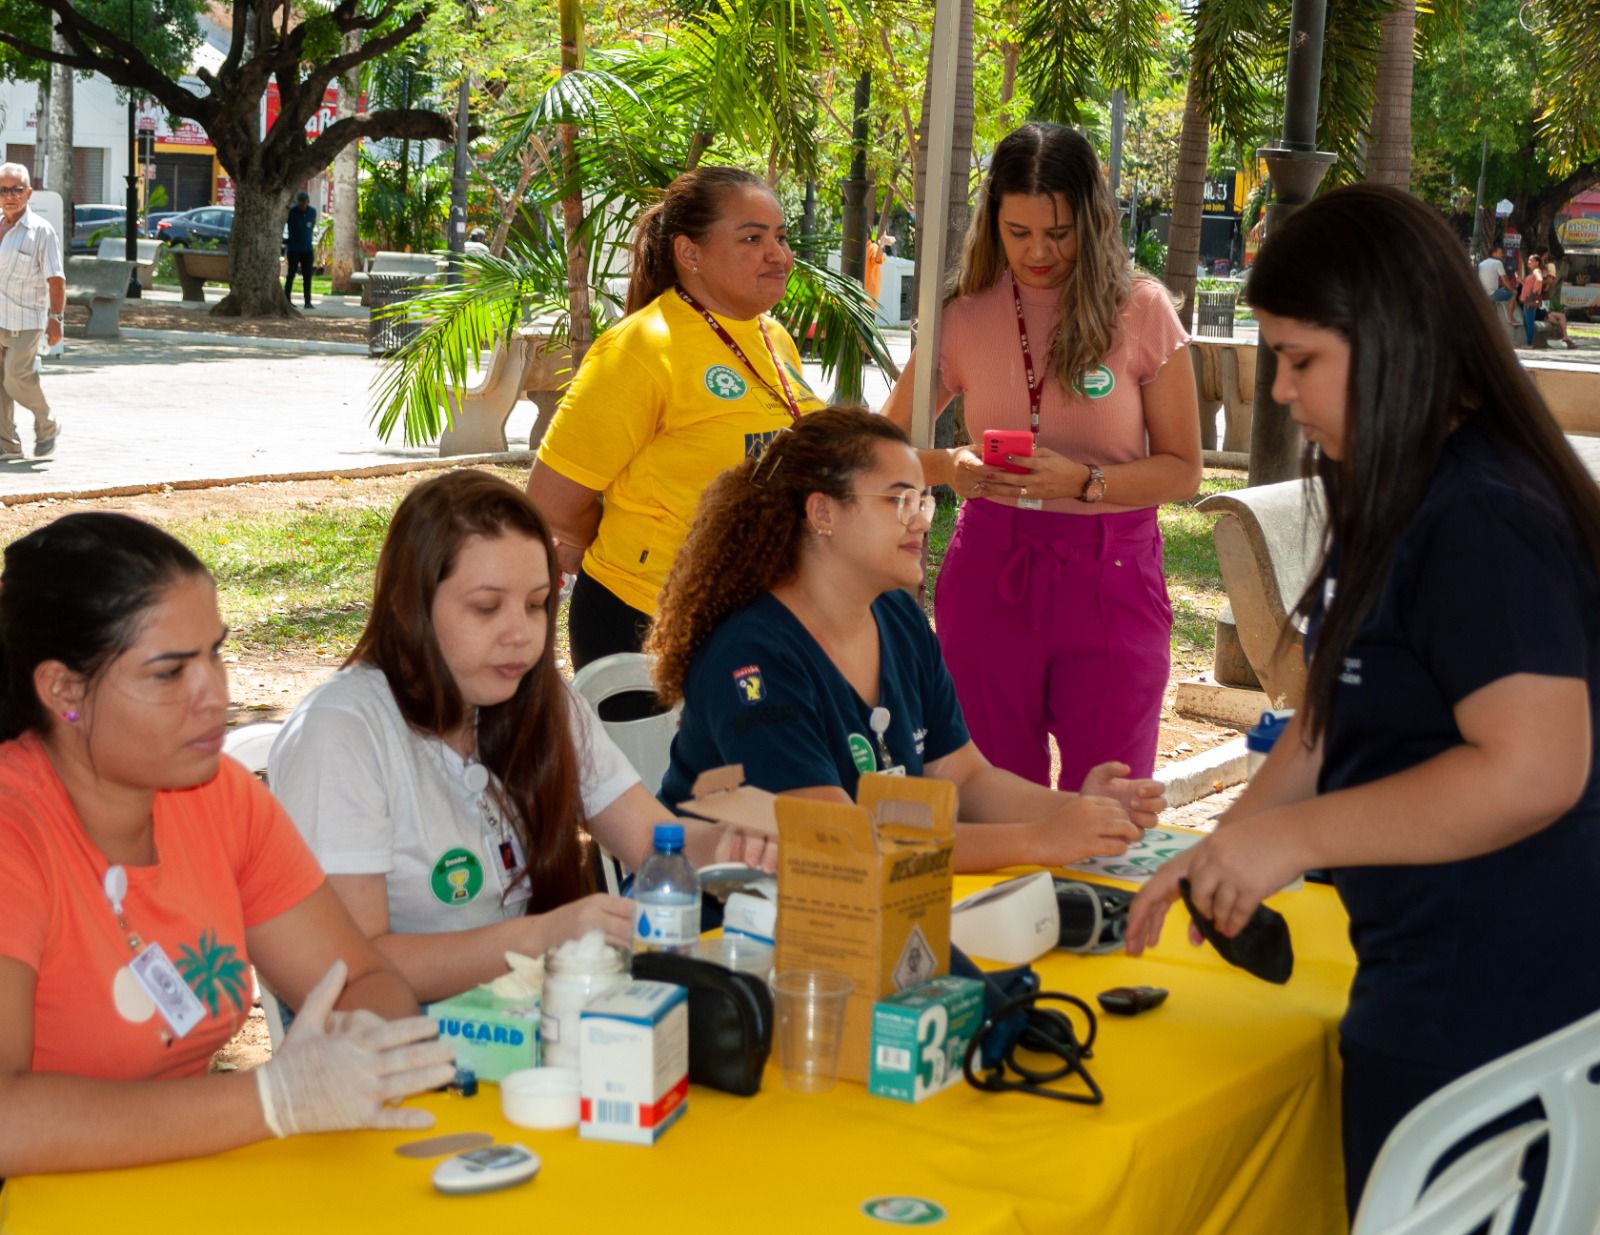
{"points": [[70, 717]]}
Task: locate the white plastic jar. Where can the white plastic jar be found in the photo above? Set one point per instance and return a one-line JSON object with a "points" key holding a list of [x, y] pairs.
{"points": [[574, 973]]}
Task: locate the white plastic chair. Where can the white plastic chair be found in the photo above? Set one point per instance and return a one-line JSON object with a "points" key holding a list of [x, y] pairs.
{"points": [[1563, 1072], [250, 745], [647, 743], [1483, 1185]]}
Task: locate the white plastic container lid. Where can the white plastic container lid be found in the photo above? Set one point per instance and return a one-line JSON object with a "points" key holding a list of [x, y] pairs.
{"points": [[543, 1098]]}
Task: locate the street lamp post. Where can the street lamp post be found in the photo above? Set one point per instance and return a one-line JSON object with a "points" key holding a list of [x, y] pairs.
{"points": [[131, 225], [1296, 167]]}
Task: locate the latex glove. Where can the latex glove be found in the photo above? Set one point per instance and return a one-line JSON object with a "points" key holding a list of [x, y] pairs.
{"points": [[612, 916], [338, 1070]]}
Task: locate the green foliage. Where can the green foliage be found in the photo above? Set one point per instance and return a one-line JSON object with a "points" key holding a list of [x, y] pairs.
{"points": [[166, 31], [404, 207], [1570, 82], [1150, 254], [1074, 49]]}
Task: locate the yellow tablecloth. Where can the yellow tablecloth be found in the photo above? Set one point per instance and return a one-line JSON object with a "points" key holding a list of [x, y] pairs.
{"points": [[1221, 1118]]}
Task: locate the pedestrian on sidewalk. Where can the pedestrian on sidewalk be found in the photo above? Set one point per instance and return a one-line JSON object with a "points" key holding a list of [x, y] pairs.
{"points": [[302, 227], [33, 297]]}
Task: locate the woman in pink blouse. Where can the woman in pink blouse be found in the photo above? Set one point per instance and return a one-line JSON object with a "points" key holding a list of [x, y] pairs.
{"points": [[1052, 605]]}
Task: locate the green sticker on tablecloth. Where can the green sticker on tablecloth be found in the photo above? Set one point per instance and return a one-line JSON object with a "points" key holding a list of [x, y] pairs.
{"points": [[457, 877], [903, 1210]]}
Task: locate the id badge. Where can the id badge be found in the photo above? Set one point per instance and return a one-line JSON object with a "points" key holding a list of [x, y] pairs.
{"points": [[1030, 503], [894, 769], [178, 1005]]}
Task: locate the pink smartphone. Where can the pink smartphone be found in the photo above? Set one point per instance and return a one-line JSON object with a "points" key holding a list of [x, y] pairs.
{"points": [[998, 443]]}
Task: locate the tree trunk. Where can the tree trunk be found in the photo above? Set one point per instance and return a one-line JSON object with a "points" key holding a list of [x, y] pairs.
{"points": [[58, 122], [1389, 148], [578, 311], [255, 281], [1188, 192], [346, 185]]}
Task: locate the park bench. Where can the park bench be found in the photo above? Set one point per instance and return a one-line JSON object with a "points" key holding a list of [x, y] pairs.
{"points": [[115, 249], [387, 264], [1268, 541], [197, 267], [102, 285], [524, 365]]}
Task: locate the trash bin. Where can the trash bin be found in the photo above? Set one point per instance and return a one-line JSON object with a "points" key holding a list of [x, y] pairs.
{"points": [[1214, 314], [387, 333]]}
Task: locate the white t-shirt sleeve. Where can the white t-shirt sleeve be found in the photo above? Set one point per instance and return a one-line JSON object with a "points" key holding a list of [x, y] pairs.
{"points": [[327, 770], [604, 773]]}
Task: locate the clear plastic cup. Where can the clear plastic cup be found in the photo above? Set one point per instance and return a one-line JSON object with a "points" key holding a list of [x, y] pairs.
{"points": [[810, 1007]]}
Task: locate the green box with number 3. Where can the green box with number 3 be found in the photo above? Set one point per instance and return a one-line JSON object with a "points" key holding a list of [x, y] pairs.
{"points": [[920, 1036]]}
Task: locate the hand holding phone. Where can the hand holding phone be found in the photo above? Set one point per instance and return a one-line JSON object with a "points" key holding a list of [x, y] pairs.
{"points": [[998, 443]]}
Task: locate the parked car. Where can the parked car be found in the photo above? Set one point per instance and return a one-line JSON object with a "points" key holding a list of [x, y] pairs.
{"points": [[211, 224], [153, 219], [93, 223]]}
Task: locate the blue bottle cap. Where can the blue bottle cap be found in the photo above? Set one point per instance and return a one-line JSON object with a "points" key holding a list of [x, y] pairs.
{"points": [[1264, 735], [669, 837]]}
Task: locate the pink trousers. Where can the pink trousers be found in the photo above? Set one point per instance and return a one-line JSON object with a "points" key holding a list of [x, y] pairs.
{"points": [[1057, 624]]}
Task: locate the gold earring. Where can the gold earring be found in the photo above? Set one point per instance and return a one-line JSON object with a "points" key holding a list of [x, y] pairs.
{"points": [[823, 531]]}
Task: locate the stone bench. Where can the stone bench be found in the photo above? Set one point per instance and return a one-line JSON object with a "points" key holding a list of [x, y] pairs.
{"points": [[1268, 541], [102, 285], [197, 267], [115, 249], [525, 366]]}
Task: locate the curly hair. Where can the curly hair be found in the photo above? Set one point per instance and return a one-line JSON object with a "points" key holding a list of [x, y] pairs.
{"points": [[1043, 160], [749, 529], [524, 741]]}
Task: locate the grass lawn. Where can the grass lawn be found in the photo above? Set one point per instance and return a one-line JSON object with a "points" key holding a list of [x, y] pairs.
{"points": [[301, 580]]}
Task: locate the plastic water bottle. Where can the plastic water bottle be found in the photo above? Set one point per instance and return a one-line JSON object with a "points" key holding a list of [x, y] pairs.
{"points": [[666, 897], [1260, 740]]}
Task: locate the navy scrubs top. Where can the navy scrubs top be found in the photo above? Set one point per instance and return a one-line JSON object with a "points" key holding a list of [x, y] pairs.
{"points": [[762, 692]]}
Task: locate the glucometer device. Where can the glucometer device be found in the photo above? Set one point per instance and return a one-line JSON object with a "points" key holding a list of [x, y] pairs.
{"points": [[485, 1170]]}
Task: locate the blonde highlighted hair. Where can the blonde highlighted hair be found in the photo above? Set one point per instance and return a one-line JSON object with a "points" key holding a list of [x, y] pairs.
{"points": [[1043, 160]]}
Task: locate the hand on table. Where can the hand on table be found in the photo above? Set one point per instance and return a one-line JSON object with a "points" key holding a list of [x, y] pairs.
{"points": [[1084, 827], [336, 1071], [1046, 476], [755, 849], [1230, 873], [611, 915], [1144, 800]]}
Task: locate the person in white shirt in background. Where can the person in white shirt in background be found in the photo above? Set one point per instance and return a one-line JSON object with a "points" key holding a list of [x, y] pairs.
{"points": [[445, 777], [33, 298]]}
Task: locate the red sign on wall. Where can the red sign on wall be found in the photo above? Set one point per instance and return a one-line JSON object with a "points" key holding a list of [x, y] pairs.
{"points": [[319, 121]]}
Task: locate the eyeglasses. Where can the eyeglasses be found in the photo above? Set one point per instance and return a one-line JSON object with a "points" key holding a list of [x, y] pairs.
{"points": [[12, 190], [908, 504]]}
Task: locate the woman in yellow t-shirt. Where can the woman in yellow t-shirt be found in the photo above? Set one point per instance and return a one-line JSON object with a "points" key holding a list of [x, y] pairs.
{"points": [[694, 378]]}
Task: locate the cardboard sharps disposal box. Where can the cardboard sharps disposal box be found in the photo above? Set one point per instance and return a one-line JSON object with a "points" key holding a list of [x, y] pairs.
{"points": [[633, 1077], [865, 890]]}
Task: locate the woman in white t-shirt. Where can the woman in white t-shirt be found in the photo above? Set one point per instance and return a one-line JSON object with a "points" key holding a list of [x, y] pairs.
{"points": [[446, 775]]}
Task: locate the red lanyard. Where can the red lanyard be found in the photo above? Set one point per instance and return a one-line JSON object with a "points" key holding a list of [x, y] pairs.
{"points": [[1035, 386], [733, 346]]}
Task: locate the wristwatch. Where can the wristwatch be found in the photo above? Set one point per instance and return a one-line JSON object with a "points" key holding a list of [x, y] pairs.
{"points": [[58, 317], [1095, 487]]}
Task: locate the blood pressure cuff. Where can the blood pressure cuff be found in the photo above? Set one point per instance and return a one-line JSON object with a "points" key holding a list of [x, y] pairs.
{"points": [[1094, 916], [730, 1019], [1000, 987]]}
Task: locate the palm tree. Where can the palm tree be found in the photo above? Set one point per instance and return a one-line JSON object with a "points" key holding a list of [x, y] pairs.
{"points": [[1389, 149]]}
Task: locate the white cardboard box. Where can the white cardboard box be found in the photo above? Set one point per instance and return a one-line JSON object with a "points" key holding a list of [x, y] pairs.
{"points": [[634, 1063]]}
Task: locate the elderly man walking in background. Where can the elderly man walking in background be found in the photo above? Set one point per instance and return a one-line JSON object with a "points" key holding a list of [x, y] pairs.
{"points": [[33, 296]]}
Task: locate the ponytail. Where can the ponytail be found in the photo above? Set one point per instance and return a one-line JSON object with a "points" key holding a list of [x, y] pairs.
{"points": [[688, 207]]}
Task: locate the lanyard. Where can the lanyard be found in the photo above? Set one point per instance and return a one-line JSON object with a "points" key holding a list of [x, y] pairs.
{"points": [[721, 332], [1035, 386]]}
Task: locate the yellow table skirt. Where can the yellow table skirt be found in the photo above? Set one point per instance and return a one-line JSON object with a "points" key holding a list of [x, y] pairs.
{"points": [[1221, 1118]]}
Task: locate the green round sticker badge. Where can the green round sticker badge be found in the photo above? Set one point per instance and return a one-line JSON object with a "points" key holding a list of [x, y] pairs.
{"points": [[903, 1210], [861, 754], [457, 877], [1098, 383], [725, 383]]}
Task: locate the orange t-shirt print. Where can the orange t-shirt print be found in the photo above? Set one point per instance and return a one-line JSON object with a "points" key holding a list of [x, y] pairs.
{"points": [[227, 859]]}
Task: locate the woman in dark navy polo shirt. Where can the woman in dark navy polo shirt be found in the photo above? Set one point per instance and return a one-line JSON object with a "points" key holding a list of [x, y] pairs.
{"points": [[1443, 763], [785, 629]]}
